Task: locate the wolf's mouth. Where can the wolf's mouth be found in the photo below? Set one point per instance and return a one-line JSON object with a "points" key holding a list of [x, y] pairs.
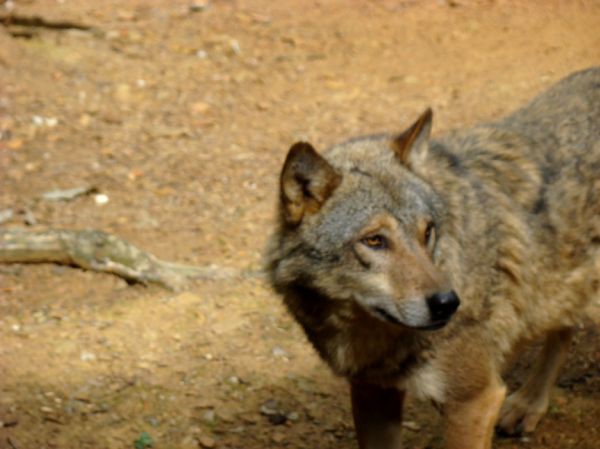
{"points": [[434, 326], [380, 312], [384, 315]]}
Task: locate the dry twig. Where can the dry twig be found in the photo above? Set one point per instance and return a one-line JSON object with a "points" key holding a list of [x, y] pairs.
{"points": [[40, 22]]}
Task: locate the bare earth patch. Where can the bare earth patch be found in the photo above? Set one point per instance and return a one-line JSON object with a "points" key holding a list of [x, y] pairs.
{"points": [[180, 114]]}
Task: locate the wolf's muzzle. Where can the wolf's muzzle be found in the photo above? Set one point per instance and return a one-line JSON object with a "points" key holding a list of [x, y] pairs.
{"points": [[442, 305]]}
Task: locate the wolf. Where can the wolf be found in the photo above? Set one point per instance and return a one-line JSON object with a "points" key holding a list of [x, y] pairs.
{"points": [[423, 265]]}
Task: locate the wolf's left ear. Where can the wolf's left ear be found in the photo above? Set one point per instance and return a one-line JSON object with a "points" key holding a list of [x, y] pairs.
{"points": [[413, 143], [307, 180]]}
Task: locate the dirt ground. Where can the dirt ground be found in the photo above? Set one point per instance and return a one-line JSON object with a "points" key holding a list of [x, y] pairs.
{"points": [[181, 114]]}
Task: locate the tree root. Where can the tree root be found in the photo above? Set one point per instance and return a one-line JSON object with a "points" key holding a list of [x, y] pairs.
{"points": [[99, 251]]}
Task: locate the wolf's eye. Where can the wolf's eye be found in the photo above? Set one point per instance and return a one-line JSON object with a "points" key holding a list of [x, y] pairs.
{"points": [[429, 233], [375, 241]]}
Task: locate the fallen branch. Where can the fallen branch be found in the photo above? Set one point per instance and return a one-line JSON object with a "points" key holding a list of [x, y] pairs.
{"points": [[99, 251], [40, 22]]}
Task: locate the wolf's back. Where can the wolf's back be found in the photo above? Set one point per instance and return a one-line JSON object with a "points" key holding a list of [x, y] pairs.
{"points": [[564, 123], [566, 117]]}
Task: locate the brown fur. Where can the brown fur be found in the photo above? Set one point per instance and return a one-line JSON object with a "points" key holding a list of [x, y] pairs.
{"points": [[506, 214]]}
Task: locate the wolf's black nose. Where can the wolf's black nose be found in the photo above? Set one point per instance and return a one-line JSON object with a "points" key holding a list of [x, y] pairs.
{"points": [[442, 305]]}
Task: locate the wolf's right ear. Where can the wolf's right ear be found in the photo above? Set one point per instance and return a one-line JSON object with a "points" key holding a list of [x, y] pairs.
{"points": [[307, 180], [413, 143]]}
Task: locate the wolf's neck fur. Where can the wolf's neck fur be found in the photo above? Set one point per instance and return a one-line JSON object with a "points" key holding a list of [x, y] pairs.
{"points": [[353, 343]]}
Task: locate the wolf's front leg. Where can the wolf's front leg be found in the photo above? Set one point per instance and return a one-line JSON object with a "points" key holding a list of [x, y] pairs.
{"points": [[377, 415], [470, 421]]}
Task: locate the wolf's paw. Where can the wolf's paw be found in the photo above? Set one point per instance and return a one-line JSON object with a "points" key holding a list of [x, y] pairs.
{"points": [[521, 414]]}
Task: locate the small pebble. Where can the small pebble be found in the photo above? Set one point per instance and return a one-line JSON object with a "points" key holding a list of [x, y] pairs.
{"points": [[152, 420], [209, 416], [411, 425], [29, 218], [6, 215], [206, 441], [188, 442], [293, 416], [51, 122], [87, 356], [198, 6], [235, 46], [270, 407], [101, 199], [279, 352], [278, 437]]}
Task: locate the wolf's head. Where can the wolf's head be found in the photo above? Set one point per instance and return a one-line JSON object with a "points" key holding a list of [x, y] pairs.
{"points": [[359, 226]]}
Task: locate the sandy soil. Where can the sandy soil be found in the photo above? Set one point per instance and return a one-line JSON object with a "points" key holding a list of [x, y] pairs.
{"points": [[182, 117]]}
